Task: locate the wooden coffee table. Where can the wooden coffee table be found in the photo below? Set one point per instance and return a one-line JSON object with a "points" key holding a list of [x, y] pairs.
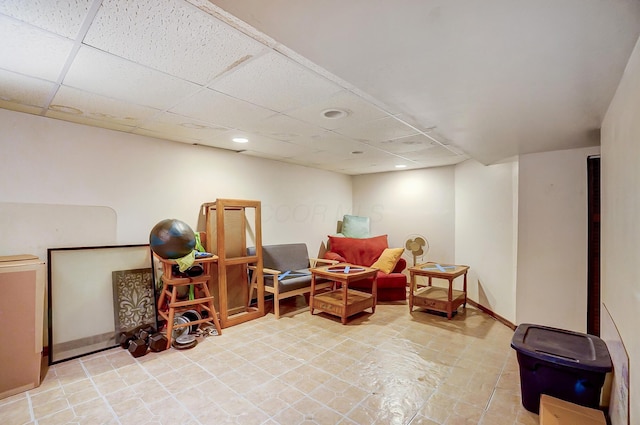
{"points": [[437, 298], [343, 302]]}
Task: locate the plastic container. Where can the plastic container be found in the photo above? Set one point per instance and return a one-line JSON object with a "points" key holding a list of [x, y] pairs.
{"points": [[567, 365]]}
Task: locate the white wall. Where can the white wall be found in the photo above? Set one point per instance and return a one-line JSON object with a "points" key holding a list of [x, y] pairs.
{"points": [[145, 180], [66, 185], [552, 239], [486, 233], [412, 202], [620, 210]]}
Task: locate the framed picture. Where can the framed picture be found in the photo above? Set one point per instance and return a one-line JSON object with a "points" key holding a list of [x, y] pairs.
{"points": [[94, 293]]}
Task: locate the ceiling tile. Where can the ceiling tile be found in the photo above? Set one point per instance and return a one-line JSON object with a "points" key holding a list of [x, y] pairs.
{"points": [[276, 82], [358, 111], [18, 107], [31, 51], [171, 36], [17, 88], [257, 143], [413, 143], [87, 120], [178, 128], [63, 17], [338, 144], [102, 73], [282, 127], [315, 158], [222, 110], [365, 164], [69, 102], [441, 161], [377, 131]]}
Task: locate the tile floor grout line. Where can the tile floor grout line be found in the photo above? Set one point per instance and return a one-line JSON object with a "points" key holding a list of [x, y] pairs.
{"points": [[102, 396]]}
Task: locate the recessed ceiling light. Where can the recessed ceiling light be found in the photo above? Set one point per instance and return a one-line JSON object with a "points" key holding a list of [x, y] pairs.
{"points": [[335, 113], [401, 166], [240, 140], [357, 152]]}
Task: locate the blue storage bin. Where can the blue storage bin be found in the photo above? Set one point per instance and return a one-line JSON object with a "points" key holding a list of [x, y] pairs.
{"points": [[567, 365]]}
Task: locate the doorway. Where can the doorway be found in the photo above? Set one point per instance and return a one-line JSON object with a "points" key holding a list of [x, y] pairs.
{"points": [[593, 250]]}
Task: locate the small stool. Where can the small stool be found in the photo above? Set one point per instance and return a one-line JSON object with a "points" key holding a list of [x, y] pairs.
{"points": [[168, 304]]}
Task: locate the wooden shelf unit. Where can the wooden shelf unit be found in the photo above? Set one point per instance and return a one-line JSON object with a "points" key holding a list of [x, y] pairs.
{"points": [[230, 223]]}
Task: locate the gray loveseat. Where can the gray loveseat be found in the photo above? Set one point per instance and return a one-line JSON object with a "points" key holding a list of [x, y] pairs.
{"points": [[286, 272]]}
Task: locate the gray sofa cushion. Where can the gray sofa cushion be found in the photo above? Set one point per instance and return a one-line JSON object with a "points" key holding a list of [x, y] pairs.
{"points": [[295, 279], [292, 258]]}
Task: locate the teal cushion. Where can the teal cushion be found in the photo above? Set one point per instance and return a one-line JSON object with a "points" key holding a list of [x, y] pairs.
{"points": [[354, 226]]}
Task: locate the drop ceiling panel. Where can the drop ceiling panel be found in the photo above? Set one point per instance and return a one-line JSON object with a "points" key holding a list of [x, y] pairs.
{"points": [[69, 102], [339, 144], [440, 161], [171, 36], [217, 108], [414, 143], [358, 111], [282, 127], [276, 82], [87, 120], [63, 17], [24, 90], [179, 128], [273, 147], [111, 76], [371, 164], [377, 131], [18, 107], [315, 158], [31, 51]]}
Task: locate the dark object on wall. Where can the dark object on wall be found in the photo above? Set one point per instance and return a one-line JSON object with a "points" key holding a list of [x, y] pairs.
{"points": [[567, 365], [172, 239]]}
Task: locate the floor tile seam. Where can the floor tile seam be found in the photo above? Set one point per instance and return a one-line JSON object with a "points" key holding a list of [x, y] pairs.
{"points": [[324, 405], [30, 404], [325, 350], [354, 409], [359, 406], [172, 396], [65, 398], [228, 388], [426, 402], [159, 382], [101, 396]]}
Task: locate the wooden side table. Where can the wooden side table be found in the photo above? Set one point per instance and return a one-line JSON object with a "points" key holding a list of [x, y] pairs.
{"points": [[343, 302], [433, 297]]}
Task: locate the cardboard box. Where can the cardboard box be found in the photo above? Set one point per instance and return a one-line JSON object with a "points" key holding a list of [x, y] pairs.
{"points": [[22, 294], [554, 411]]}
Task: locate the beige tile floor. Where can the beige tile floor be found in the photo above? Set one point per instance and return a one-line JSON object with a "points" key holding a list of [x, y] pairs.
{"points": [[391, 367]]}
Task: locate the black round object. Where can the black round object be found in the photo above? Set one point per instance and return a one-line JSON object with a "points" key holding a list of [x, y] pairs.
{"points": [[172, 239], [192, 315]]}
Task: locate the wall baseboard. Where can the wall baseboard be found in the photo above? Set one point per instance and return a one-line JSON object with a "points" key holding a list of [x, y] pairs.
{"points": [[492, 314]]}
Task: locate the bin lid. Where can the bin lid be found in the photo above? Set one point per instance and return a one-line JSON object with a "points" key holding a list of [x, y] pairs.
{"points": [[562, 347]]}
